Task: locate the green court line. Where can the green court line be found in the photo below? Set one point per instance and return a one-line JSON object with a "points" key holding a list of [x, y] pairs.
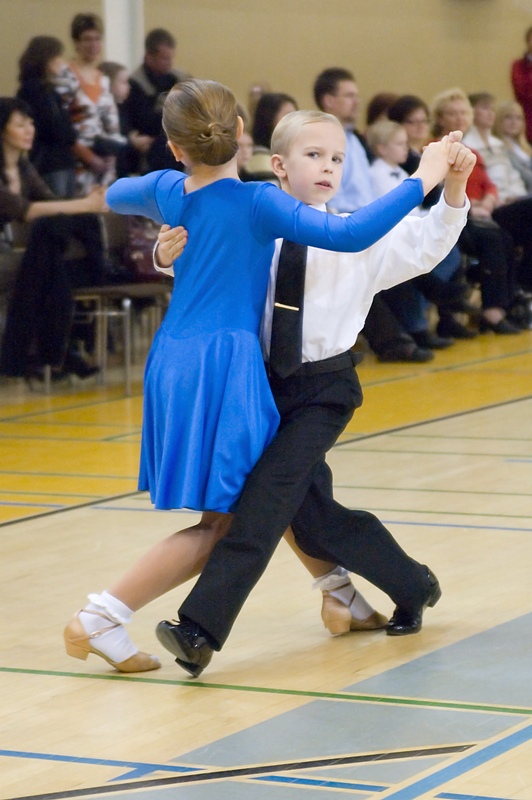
{"points": [[344, 696]]}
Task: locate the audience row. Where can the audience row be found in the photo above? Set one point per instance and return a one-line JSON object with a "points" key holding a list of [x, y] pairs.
{"points": [[86, 122]]}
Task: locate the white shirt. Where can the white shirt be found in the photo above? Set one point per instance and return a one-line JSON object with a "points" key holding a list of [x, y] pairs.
{"points": [[387, 177], [339, 287], [500, 169]]}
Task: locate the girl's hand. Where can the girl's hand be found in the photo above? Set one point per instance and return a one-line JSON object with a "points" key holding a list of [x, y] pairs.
{"points": [[171, 243]]}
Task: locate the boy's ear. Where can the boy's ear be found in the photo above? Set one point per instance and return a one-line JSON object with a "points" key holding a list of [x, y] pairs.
{"points": [[278, 166], [239, 128], [176, 150]]}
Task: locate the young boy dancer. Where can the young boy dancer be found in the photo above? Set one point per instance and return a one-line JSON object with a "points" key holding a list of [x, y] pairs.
{"points": [[291, 483]]}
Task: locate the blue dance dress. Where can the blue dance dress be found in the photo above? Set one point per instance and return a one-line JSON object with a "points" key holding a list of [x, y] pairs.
{"points": [[208, 410]]}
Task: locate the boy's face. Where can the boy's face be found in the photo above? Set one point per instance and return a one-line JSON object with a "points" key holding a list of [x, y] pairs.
{"points": [[395, 151], [312, 170]]}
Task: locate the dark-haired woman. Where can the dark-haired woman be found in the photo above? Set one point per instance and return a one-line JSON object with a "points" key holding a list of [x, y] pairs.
{"points": [[55, 136], [271, 108], [40, 310]]}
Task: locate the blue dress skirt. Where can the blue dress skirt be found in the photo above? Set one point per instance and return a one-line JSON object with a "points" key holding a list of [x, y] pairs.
{"points": [[208, 414]]}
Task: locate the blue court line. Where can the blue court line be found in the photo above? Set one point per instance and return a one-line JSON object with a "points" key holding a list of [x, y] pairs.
{"points": [[139, 769], [323, 784], [453, 796], [446, 774]]}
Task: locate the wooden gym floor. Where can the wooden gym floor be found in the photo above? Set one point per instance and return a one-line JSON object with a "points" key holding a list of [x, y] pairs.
{"points": [[441, 452]]}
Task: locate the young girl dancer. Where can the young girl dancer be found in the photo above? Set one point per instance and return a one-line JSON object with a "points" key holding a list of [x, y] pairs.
{"points": [[208, 411]]}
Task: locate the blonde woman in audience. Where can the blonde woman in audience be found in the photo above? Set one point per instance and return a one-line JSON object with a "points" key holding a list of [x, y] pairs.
{"points": [[482, 236], [510, 128]]}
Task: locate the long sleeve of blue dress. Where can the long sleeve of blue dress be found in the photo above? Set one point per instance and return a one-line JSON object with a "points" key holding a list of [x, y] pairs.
{"points": [[282, 217], [275, 214]]}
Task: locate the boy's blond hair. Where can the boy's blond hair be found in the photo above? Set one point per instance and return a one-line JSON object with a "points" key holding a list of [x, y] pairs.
{"points": [[290, 125], [382, 132]]}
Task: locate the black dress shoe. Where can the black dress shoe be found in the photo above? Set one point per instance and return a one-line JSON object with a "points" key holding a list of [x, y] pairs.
{"points": [[504, 326], [431, 340], [74, 363], [448, 326], [188, 642], [405, 352], [405, 621]]}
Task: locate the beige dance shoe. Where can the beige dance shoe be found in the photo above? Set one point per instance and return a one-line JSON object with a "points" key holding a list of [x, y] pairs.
{"points": [[338, 620], [78, 644]]}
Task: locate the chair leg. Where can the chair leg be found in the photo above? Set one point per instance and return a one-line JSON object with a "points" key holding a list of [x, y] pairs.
{"points": [[126, 320]]}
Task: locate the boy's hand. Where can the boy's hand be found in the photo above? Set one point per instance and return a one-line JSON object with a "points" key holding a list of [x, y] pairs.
{"points": [[436, 160], [455, 183], [171, 243]]}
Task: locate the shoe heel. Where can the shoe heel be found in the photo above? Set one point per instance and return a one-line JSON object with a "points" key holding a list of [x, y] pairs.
{"points": [[337, 627], [75, 650], [434, 599], [335, 615]]}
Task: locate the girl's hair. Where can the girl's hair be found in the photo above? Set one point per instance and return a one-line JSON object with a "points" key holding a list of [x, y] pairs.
{"points": [[503, 111], [266, 110], [290, 125], [406, 105], [8, 106], [382, 132], [440, 103], [378, 106], [201, 118], [111, 69], [85, 22], [39, 51]]}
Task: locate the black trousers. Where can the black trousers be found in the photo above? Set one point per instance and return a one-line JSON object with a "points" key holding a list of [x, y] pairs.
{"points": [[291, 484], [41, 307]]}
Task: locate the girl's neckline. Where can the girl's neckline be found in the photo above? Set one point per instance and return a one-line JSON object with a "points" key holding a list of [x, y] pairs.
{"points": [[207, 185]]}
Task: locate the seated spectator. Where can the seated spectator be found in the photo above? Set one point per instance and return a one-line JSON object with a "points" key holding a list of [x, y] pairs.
{"points": [[149, 84], [482, 236], [55, 136], [513, 208], [271, 107], [509, 127], [445, 286], [336, 92], [127, 151], [378, 107], [521, 77], [389, 142], [40, 310], [85, 90], [479, 137]]}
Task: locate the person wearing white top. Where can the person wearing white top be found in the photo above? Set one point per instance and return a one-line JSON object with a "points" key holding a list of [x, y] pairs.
{"points": [[513, 210], [291, 484]]}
